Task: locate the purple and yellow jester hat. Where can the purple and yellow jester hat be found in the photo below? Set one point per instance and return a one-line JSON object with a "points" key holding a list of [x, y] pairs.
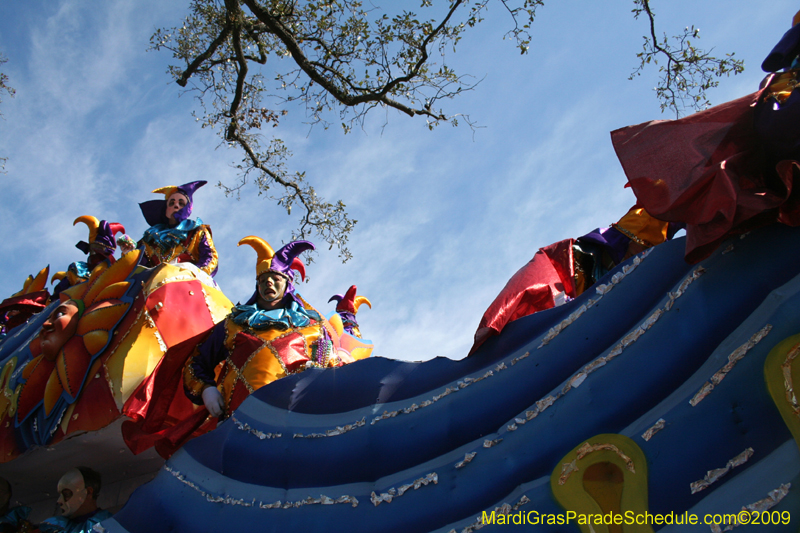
{"points": [[154, 211], [101, 232], [283, 262]]}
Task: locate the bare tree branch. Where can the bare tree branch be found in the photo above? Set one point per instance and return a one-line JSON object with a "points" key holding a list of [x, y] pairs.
{"points": [[688, 73]]}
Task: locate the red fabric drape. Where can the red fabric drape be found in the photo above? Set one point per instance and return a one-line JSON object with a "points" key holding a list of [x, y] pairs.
{"points": [[162, 415], [533, 288], [707, 170]]}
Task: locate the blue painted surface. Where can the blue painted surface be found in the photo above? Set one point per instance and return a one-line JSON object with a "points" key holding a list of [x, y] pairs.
{"points": [[739, 292]]}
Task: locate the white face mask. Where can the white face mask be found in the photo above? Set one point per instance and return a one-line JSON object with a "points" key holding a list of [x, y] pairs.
{"points": [[71, 493]]}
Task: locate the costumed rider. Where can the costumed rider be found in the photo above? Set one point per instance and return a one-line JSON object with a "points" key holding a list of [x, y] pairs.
{"points": [[274, 334], [100, 249], [172, 236], [777, 110], [12, 519], [347, 306], [21, 306], [77, 498]]}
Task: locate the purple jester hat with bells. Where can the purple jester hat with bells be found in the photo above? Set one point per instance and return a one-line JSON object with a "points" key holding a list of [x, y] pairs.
{"points": [[100, 249]]}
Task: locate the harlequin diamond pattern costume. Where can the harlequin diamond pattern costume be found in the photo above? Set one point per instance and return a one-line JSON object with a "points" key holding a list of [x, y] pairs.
{"points": [[258, 346]]}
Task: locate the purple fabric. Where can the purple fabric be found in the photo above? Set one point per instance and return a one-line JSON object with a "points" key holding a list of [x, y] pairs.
{"points": [[611, 239], [349, 322], [282, 260], [784, 52], [154, 211], [104, 236], [205, 255], [188, 190], [776, 126], [673, 228], [282, 264]]}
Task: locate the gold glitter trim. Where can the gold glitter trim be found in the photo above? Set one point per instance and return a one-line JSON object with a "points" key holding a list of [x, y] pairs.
{"points": [[631, 235], [568, 468]]}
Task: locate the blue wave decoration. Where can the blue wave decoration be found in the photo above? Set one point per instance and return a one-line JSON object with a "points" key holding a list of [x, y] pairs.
{"points": [[651, 385]]}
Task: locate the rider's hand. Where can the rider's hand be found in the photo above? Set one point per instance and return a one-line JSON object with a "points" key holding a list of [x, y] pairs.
{"points": [[213, 401]]}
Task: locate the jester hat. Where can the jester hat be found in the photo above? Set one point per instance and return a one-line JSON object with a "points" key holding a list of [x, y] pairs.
{"points": [[154, 211], [100, 231], [283, 262], [784, 53], [30, 300], [349, 302]]}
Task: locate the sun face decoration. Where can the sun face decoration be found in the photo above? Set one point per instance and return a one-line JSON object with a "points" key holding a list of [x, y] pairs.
{"points": [[72, 337]]}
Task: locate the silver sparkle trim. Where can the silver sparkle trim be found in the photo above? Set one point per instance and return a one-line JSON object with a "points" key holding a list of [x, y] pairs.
{"points": [[504, 509], [520, 358], [260, 434], [788, 382], [227, 500], [396, 493], [773, 498], [655, 428], [339, 430], [733, 358], [600, 290], [468, 457], [712, 476]]}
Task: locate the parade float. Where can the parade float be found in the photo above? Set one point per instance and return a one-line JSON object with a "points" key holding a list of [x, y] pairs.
{"points": [[658, 397]]}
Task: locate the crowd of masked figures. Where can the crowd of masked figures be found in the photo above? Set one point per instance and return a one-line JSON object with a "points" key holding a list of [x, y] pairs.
{"points": [[140, 331]]}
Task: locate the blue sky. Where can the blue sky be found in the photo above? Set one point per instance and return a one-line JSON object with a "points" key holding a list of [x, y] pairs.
{"points": [[445, 216]]}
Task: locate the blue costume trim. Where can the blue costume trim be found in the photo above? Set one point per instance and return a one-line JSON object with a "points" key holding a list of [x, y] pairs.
{"points": [[282, 318], [166, 237], [15, 515], [82, 524], [80, 268]]}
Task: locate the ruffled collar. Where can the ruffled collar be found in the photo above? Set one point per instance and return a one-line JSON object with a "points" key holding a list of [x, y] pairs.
{"points": [[166, 237], [293, 315], [80, 269]]}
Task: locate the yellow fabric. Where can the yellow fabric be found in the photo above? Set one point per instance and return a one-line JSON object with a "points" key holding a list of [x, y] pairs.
{"points": [[782, 85], [640, 226], [264, 365]]}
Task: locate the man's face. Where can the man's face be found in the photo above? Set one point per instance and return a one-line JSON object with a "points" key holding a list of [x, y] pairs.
{"points": [[271, 286], [72, 493], [175, 203], [59, 327]]}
